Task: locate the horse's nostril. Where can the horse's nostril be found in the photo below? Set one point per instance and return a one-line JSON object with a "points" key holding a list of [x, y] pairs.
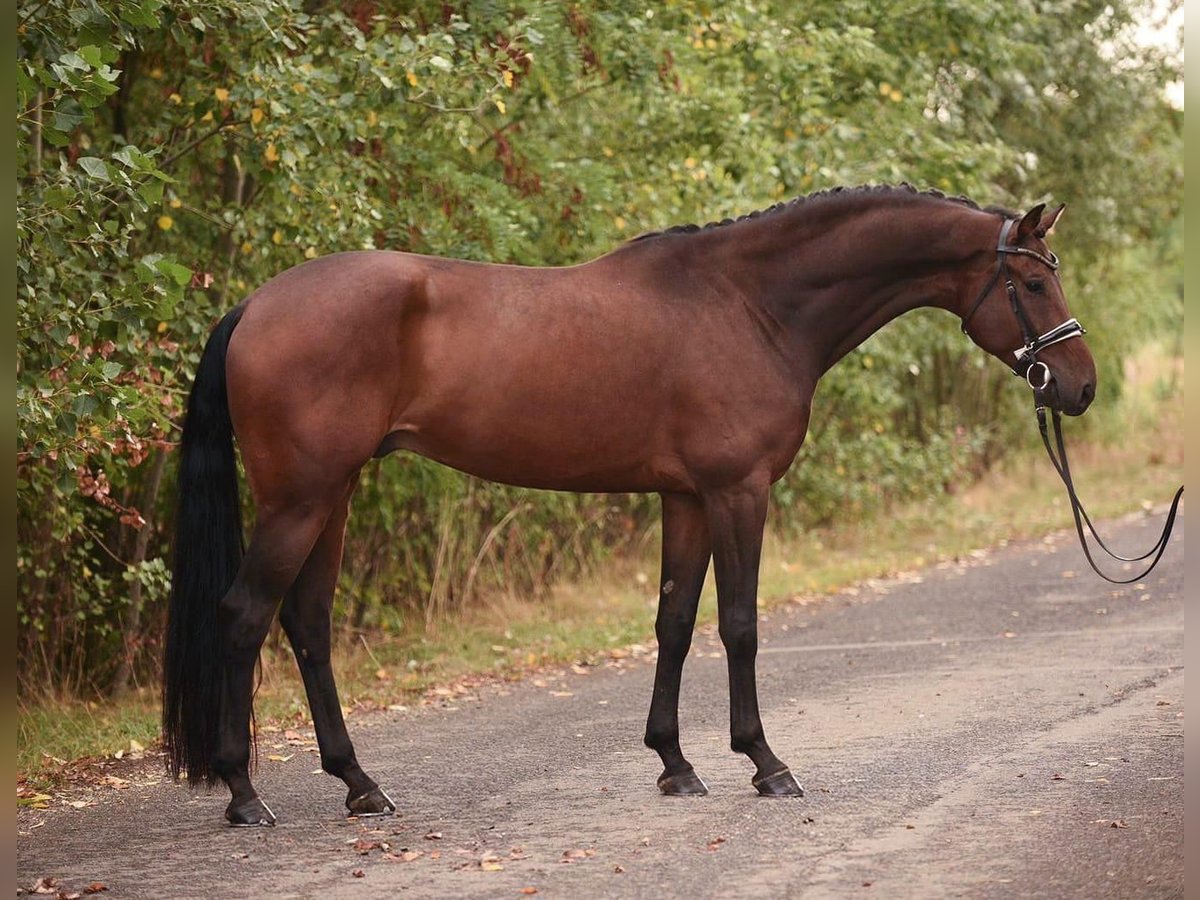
{"points": [[1088, 395]]}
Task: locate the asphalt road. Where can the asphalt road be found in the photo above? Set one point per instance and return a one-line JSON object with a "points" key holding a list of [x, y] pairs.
{"points": [[1005, 727]]}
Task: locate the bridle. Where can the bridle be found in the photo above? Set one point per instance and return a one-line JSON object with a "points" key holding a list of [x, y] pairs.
{"points": [[1026, 365], [1026, 355]]}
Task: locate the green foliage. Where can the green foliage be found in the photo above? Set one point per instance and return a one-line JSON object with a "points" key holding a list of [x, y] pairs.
{"points": [[171, 157]]}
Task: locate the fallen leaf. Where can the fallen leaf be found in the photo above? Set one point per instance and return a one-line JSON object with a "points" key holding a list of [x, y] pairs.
{"points": [[490, 862], [363, 846], [618, 869], [1118, 823], [433, 836], [45, 885], [715, 843], [358, 873], [275, 757], [529, 890], [95, 887]]}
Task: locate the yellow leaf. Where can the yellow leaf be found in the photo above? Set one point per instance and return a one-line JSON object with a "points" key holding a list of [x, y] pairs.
{"points": [[271, 155], [311, 253], [884, 88], [896, 96], [247, 247], [299, 88], [690, 162], [372, 118], [500, 105], [295, 189], [256, 116], [277, 237], [619, 221], [412, 77], [275, 757], [162, 327], [221, 94], [508, 78], [175, 203], [607, 151], [165, 223], [156, 73], [207, 117], [176, 99]]}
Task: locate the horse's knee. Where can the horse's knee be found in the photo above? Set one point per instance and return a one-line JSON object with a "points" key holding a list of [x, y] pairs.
{"points": [[672, 645], [740, 639]]}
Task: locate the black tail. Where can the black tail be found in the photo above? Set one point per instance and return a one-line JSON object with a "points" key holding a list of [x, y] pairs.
{"points": [[208, 551]]}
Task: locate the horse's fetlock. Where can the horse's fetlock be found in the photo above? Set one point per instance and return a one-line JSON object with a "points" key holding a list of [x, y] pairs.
{"points": [[745, 740], [658, 738], [339, 765]]}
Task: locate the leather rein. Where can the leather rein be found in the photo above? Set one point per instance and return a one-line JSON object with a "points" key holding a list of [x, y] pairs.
{"points": [[1038, 376]]}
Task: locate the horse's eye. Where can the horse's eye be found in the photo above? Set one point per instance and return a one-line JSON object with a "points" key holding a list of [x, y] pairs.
{"points": [[1036, 287]]}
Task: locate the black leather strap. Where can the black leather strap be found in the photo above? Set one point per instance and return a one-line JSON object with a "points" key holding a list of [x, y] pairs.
{"points": [[1063, 467]]}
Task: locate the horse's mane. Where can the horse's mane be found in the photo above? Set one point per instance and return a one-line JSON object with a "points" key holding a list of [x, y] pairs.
{"points": [[882, 191]]}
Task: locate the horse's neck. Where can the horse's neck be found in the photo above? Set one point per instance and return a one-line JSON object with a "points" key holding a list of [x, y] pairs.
{"points": [[832, 277]]}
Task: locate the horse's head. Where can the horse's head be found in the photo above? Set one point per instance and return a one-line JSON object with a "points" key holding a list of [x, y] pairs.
{"points": [[1016, 311]]}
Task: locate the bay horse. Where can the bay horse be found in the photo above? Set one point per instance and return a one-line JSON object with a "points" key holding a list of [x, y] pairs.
{"points": [[682, 363]]}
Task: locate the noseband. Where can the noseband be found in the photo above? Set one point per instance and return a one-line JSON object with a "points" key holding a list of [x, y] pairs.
{"points": [[1038, 377], [1027, 363]]}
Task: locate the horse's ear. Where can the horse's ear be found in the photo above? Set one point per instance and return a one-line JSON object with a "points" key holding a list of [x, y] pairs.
{"points": [[1031, 222], [1046, 226]]}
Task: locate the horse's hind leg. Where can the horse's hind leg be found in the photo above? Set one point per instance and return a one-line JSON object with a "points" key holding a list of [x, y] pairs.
{"points": [[305, 617], [685, 554], [281, 542]]}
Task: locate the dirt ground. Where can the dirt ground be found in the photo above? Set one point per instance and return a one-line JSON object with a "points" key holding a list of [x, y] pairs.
{"points": [[1007, 726]]}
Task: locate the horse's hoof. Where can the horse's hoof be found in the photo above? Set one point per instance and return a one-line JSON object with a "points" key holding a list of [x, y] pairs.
{"points": [[249, 814], [373, 803], [682, 784], [782, 784]]}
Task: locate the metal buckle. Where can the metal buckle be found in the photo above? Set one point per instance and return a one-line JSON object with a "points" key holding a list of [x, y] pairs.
{"points": [[1045, 375]]}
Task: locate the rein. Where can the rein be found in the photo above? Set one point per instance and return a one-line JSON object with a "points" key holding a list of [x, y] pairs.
{"points": [[1027, 365]]}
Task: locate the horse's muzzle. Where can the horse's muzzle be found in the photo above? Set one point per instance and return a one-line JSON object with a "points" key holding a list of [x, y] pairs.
{"points": [[1070, 403]]}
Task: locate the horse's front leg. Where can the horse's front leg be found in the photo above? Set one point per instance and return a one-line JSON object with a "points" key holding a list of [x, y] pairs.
{"points": [[736, 517], [685, 554]]}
